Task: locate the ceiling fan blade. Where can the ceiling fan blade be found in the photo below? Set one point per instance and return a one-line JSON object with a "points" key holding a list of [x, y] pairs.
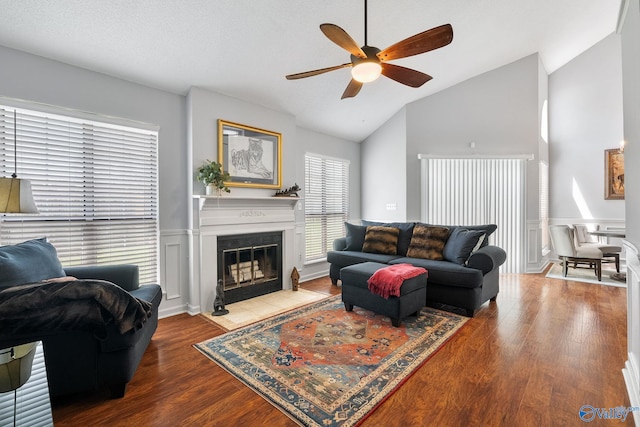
{"points": [[316, 72], [342, 39], [420, 43], [403, 75], [352, 89]]}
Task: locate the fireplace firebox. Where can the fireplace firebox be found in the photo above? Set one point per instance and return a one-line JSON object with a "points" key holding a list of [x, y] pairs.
{"points": [[250, 265]]}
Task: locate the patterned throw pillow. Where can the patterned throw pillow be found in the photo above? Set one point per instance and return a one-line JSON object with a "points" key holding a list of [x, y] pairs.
{"points": [[381, 240], [428, 242]]}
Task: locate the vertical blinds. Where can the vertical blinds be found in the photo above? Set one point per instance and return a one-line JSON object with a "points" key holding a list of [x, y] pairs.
{"points": [[326, 203], [480, 191], [95, 185]]}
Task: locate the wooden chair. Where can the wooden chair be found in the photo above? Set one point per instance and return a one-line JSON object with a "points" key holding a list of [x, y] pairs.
{"points": [[562, 239]]}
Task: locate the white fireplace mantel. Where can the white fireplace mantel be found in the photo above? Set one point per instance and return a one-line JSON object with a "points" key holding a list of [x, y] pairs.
{"points": [[215, 216]]}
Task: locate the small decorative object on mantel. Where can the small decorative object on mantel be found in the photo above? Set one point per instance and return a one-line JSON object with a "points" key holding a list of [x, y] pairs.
{"points": [[213, 177], [289, 192], [295, 276], [218, 303]]}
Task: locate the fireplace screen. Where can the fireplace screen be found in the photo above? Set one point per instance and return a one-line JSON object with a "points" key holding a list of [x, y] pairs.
{"points": [[250, 265]]}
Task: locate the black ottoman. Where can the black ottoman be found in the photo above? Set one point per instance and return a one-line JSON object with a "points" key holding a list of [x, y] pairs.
{"points": [[355, 291]]}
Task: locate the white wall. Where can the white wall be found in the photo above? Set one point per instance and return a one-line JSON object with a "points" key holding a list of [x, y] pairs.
{"points": [[586, 118], [631, 101], [497, 110], [384, 180], [187, 136]]}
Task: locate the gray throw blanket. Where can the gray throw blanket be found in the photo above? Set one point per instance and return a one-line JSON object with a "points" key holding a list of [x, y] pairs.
{"points": [[70, 305]]}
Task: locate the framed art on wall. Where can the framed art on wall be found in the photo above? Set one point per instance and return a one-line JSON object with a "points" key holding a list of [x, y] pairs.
{"points": [[252, 156], [613, 174]]}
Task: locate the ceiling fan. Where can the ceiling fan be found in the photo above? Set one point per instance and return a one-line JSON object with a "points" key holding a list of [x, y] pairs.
{"points": [[368, 62]]}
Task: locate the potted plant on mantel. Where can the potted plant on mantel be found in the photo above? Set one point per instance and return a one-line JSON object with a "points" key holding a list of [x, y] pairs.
{"points": [[213, 177]]}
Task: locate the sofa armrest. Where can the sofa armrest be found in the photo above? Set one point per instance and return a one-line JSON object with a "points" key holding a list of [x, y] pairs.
{"points": [[340, 244], [487, 259], [124, 275]]}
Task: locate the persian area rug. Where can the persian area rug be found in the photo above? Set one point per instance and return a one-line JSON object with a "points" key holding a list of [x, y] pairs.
{"points": [[324, 366], [586, 275]]}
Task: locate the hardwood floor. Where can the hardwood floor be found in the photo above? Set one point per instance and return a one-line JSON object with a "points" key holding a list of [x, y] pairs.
{"points": [[533, 358]]}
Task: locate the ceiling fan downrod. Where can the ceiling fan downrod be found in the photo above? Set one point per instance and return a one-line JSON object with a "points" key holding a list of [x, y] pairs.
{"points": [[365, 23]]}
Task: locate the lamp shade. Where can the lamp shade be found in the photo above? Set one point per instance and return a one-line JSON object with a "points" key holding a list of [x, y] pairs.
{"points": [[15, 366], [16, 196]]}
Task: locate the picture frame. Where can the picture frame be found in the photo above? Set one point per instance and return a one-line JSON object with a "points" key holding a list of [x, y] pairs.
{"points": [[251, 156], [613, 174]]}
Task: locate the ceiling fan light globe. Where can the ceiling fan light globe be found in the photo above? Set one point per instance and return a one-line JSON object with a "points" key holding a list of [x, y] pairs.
{"points": [[366, 71]]}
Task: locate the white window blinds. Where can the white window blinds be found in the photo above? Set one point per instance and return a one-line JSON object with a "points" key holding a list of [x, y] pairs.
{"points": [[95, 185], [326, 203]]}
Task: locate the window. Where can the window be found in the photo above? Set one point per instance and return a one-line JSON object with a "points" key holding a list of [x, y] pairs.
{"points": [[326, 203], [479, 191], [95, 185], [544, 208]]}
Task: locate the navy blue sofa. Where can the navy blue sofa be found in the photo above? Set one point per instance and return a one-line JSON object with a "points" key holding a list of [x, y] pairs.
{"points": [[466, 280], [79, 355]]}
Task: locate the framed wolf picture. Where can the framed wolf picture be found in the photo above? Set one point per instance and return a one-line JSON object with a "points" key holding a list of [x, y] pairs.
{"points": [[252, 156]]}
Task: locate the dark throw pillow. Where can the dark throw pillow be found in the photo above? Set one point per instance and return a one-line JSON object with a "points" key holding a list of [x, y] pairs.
{"points": [[461, 243], [428, 242], [381, 240], [355, 236], [28, 262], [487, 229]]}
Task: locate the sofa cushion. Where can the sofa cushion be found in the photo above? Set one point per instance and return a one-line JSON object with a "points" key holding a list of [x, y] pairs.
{"points": [[446, 272], [461, 243], [355, 236], [428, 242], [488, 229], [381, 240], [406, 231], [344, 258], [29, 262]]}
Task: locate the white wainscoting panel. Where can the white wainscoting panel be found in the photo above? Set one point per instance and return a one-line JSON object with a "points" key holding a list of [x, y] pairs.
{"points": [[631, 371], [174, 271], [535, 261]]}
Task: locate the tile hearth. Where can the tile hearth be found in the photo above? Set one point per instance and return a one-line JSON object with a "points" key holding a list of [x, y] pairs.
{"points": [[243, 313]]}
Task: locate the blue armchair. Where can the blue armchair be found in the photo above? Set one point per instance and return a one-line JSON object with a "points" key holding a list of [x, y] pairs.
{"points": [[78, 359]]}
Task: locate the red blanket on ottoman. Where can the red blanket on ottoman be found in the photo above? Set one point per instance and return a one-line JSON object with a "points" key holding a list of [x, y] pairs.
{"points": [[387, 281]]}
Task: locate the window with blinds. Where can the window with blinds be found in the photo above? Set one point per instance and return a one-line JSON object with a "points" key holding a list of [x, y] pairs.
{"points": [[326, 203], [95, 185]]}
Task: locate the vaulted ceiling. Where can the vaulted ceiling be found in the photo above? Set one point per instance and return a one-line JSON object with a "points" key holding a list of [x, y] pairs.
{"points": [[244, 48]]}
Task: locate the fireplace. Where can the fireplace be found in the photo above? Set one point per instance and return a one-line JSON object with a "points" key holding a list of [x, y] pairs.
{"points": [[250, 265], [222, 221]]}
